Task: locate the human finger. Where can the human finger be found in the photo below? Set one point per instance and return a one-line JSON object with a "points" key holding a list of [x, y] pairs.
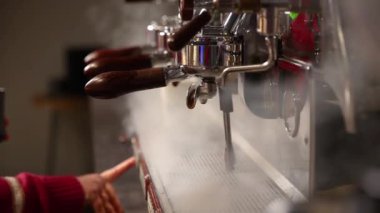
{"points": [[109, 208], [113, 198], [106, 202], [113, 173], [108, 205], [98, 206]]}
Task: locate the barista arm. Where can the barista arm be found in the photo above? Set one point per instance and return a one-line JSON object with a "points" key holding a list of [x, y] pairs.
{"points": [[29, 193]]}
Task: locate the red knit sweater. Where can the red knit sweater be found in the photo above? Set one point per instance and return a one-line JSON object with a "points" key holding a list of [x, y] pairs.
{"points": [[44, 194]]}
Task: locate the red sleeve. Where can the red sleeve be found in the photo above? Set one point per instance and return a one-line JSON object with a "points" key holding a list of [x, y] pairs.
{"points": [[6, 200], [46, 194]]}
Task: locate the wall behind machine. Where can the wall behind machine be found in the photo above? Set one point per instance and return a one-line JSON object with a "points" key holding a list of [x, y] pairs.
{"points": [[33, 38]]}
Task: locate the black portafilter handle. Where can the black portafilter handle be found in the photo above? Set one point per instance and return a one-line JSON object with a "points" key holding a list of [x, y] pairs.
{"points": [[188, 31], [112, 53], [113, 84], [99, 66]]}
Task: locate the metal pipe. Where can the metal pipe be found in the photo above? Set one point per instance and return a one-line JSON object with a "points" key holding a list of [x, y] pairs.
{"points": [[229, 155], [230, 22], [226, 105], [265, 66]]}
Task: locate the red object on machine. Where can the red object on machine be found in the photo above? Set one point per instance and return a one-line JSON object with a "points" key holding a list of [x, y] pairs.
{"points": [[300, 42]]}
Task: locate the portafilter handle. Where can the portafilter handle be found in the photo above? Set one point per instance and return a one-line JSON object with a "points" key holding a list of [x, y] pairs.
{"points": [[127, 63], [188, 31], [111, 53], [113, 84]]}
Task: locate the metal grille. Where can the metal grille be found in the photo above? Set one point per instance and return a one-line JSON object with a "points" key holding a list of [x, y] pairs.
{"points": [[201, 183]]}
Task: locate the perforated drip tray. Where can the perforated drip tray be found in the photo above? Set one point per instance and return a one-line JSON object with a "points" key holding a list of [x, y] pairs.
{"points": [[201, 183]]}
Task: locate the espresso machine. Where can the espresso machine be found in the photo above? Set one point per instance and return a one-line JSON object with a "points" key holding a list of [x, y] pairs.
{"points": [[285, 113]]}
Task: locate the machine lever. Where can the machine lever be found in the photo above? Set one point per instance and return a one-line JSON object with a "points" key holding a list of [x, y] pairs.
{"points": [[186, 8], [188, 31]]}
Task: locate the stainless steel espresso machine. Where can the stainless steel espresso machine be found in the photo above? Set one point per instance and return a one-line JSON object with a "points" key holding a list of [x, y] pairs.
{"points": [[289, 107]]}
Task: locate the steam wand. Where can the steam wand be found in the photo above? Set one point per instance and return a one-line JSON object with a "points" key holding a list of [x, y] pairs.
{"points": [[225, 97], [226, 105]]}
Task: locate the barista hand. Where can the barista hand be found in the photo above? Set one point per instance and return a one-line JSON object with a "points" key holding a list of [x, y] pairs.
{"points": [[99, 191]]}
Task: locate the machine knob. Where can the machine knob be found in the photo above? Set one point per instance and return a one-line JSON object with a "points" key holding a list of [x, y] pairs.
{"points": [[117, 64], [110, 53], [113, 84], [188, 31]]}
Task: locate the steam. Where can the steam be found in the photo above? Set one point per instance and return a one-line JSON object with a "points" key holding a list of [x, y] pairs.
{"points": [[120, 24], [185, 152], [349, 57]]}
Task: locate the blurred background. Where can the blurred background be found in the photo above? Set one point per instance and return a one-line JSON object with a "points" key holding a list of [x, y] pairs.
{"points": [[42, 44]]}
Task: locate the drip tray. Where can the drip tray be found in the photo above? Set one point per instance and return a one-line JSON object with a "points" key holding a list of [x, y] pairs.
{"points": [[200, 182]]}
